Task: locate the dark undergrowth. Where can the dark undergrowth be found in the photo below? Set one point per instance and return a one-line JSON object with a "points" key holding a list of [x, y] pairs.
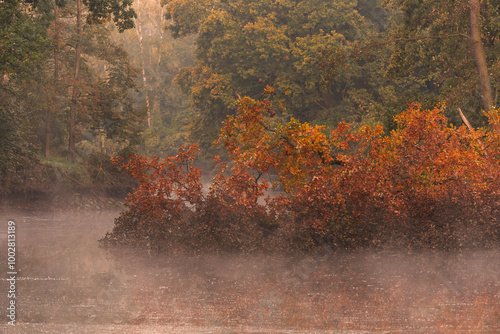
{"points": [[215, 230], [29, 182]]}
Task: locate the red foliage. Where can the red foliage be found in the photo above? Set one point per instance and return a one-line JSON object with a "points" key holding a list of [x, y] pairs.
{"points": [[426, 184], [162, 204], [169, 211], [165, 186]]}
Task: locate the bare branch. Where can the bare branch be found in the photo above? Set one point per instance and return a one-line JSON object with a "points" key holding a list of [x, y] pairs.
{"points": [[466, 121]]}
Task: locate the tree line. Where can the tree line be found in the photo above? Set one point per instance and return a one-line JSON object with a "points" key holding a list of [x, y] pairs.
{"points": [[360, 61], [428, 184], [65, 84], [105, 77]]}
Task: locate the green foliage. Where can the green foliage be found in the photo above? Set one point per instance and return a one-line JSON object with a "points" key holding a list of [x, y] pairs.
{"points": [[306, 50], [37, 55], [20, 171], [9, 140], [187, 15], [24, 44], [120, 10], [432, 45]]}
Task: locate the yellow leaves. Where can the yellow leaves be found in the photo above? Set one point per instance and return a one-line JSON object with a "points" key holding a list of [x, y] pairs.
{"points": [[268, 90]]}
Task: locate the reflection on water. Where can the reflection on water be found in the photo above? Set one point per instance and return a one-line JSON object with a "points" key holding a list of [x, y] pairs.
{"points": [[66, 284]]}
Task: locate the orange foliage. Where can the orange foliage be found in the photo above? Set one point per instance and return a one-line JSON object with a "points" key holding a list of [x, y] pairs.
{"points": [[426, 184]]}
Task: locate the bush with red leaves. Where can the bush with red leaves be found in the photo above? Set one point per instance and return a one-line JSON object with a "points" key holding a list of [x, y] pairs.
{"points": [[427, 184]]}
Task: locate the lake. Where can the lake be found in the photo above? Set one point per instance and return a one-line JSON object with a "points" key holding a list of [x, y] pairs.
{"points": [[67, 284]]}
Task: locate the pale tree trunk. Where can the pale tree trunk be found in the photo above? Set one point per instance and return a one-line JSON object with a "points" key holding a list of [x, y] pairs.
{"points": [[162, 29], [74, 95], [138, 26], [479, 54]]}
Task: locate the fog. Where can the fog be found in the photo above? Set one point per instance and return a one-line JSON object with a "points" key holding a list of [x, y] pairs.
{"points": [[67, 284]]}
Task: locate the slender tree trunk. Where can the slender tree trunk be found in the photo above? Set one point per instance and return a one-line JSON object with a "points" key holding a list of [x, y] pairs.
{"points": [[48, 123], [74, 95], [53, 102], [478, 48], [162, 29], [144, 79]]}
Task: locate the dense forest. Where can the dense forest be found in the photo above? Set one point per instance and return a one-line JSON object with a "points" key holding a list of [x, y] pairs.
{"points": [[374, 121]]}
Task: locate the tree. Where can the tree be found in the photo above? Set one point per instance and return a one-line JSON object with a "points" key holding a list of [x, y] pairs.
{"points": [[452, 46], [480, 56], [305, 49], [427, 184], [159, 56], [99, 12], [24, 42], [54, 31], [43, 50], [24, 47], [82, 60]]}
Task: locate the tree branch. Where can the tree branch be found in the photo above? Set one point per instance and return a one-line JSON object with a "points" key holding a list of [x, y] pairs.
{"points": [[466, 121]]}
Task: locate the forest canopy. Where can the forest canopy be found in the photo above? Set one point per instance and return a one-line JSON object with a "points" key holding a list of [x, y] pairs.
{"points": [[328, 61], [347, 108]]}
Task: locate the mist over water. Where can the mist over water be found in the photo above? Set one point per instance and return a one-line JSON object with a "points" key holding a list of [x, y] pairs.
{"points": [[67, 284]]}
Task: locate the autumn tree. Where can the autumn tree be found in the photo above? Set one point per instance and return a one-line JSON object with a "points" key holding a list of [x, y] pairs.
{"points": [[426, 184], [306, 50]]}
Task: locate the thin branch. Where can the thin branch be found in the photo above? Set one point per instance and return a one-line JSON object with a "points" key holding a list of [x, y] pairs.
{"points": [[258, 177], [466, 121]]}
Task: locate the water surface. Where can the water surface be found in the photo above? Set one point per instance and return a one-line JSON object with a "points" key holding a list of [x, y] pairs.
{"points": [[67, 284]]}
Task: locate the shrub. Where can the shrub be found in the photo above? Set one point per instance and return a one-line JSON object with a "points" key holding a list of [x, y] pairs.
{"points": [[426, 184]]}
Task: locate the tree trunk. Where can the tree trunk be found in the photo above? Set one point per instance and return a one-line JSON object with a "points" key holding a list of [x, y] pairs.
{"points": [[143, 64], [327, 100], [74, 95], [53, 101], [478, 48], [48, 123]]}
